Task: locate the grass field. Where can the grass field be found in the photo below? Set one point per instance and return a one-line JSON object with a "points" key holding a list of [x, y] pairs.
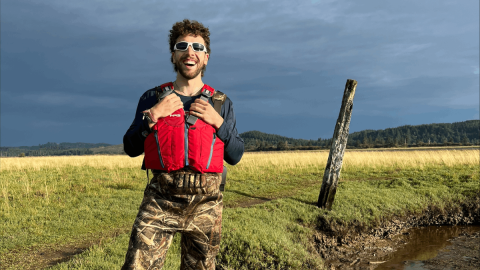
{"points": [[51, 202]]}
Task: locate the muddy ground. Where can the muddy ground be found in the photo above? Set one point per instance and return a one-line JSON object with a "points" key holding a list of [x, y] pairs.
{"points": [[463, 253], [356, 247]]}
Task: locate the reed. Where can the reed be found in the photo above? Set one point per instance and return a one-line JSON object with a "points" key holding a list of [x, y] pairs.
{"points": [[279, 160], [97, 161], [354, 159]]}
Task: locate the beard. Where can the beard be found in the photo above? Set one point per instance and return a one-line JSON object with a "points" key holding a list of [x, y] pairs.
{"points": [[192, 74]]}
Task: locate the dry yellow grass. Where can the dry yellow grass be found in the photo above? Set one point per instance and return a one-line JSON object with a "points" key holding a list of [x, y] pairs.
{"points": [[278, 160], [412, 158], [298, 160], [36, 163]]}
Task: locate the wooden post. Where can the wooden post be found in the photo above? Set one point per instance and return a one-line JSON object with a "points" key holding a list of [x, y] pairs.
{"points": [[339, 143]]}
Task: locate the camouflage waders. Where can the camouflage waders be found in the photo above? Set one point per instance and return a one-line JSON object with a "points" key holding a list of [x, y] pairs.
{"points": [[185, 202]]}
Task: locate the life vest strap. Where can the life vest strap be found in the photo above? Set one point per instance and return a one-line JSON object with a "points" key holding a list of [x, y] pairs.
{"points": [[207, 92], [164, 90]]}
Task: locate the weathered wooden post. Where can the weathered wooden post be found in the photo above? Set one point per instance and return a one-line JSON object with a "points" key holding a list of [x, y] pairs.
{"points": [[339, 143]]}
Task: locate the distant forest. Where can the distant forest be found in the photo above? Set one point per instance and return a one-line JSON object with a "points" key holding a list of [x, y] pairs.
{"points": [[449, 134], [460, 133], [52, 149]]}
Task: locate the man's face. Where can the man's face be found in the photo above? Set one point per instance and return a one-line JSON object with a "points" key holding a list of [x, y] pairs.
{"points": [[190, 63]]}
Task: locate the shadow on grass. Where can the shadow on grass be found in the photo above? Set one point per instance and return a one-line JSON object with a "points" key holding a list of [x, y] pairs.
{"points": [[259, 200], [250, 196], [303, 201], [120, 186], [250, 202]]}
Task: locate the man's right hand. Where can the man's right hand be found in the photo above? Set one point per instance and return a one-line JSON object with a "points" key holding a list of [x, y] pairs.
{"points": [[167, 106]]}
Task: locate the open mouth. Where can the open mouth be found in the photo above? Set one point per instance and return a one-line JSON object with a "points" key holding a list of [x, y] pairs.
{"points": [[189, 63]]}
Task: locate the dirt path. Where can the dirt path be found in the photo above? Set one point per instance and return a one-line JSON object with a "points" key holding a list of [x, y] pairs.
{"points": [[39, 258]]}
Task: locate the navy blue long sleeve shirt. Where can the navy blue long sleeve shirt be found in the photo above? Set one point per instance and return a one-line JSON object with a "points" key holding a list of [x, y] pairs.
{"points": [[134, 138]]}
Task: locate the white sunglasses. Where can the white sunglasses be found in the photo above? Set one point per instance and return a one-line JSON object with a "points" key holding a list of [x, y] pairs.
{"points": [[183, 46]]}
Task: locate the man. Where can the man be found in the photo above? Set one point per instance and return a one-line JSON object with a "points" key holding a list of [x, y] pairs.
{"points": [[168, 205]]}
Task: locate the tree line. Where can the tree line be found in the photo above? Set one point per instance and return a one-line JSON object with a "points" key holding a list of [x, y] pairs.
{"points": [[17, 152], [51, 149], [460, 133]]}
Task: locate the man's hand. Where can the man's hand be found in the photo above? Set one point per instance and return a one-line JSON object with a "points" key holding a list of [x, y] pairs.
{"points": [[164, 108], [206, 112]]}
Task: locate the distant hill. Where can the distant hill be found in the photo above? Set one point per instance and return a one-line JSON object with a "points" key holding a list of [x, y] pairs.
{"points": [[260, 140], [466, 132], [52, 149], [63, 145], [459, 133], [108, 150]]}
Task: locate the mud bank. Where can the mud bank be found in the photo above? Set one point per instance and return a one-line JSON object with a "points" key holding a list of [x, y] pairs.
{"points": [[356, 246], [463, 254]]}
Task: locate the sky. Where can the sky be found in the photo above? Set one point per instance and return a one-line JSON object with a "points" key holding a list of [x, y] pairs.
{"points": [[73, 71]]}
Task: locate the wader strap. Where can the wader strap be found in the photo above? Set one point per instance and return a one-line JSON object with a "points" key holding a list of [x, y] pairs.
{"points": [[224, 179], [218, 100]]}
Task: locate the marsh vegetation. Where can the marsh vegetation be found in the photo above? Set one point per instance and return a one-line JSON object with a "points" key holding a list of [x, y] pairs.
{"points": [[270, 219]]}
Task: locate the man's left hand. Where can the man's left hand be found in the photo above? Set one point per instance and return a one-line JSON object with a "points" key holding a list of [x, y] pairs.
{"points": [[203, 110]]}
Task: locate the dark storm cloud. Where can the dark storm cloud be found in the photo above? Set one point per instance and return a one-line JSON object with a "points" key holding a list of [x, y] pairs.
{"points": [[75, 70]]}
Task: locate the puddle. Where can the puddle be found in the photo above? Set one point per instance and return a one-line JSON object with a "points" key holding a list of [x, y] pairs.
{"points": [[423, 244]]}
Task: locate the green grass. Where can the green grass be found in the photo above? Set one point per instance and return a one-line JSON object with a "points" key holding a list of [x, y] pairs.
{"points": [[66, 205], [111, 255]]}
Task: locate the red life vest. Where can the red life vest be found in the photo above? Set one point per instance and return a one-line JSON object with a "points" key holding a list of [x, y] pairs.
{"points": [[175, 143]]}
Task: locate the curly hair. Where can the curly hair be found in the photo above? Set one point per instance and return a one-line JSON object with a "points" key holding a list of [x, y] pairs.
{"points": [[187, 27]]}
